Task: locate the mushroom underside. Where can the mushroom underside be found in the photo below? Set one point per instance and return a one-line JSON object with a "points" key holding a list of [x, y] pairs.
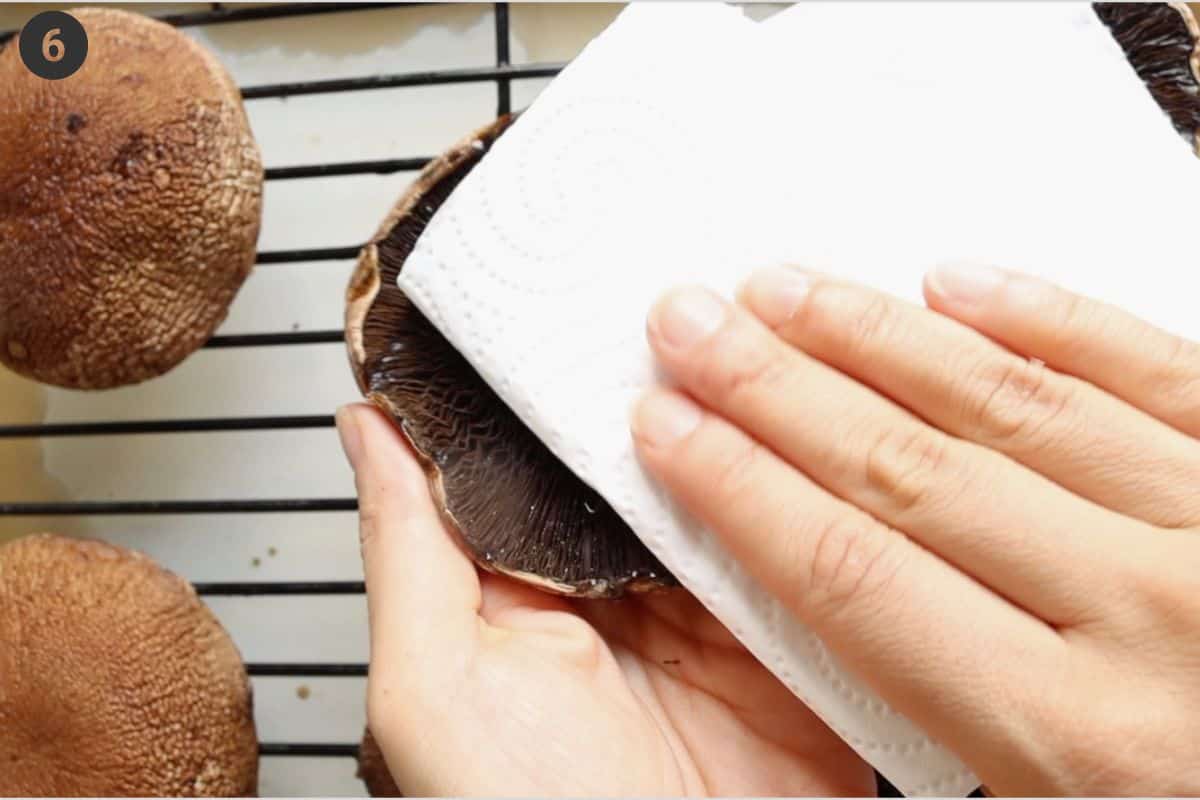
{"points": [[517, 508], [1160, 42]]}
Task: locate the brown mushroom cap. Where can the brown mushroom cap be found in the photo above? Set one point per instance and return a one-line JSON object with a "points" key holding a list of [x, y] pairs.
{"points": [[130, 196], [1162, 43], [516, 507], [373, 770], [115, 680]]}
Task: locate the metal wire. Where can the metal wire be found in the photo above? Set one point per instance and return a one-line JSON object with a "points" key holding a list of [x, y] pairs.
{"points": [[384, 166], [220, 15], [432, 78], [294, 670], [338, 750], [308, 254], [272, 339], [144, 507], [165, 426], [228, 589], [503, 85]]}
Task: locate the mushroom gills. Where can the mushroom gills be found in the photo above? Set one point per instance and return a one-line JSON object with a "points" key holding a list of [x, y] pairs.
{"points": [[1160, 42], [517, 508]]}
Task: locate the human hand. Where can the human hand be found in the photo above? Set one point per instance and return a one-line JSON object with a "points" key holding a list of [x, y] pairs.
{"points": [[1006, 550], [480, 685]]}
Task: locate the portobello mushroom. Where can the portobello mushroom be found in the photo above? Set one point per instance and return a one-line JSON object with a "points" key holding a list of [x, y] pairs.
{"points": [[517, 509], [130, 197], [115, 680]]}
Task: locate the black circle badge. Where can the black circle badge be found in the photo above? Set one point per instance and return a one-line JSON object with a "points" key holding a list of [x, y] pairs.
{"points": [[53, 45]]}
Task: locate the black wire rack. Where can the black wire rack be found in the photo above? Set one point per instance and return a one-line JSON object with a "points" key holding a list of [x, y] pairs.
{"points": [[502, 74]]}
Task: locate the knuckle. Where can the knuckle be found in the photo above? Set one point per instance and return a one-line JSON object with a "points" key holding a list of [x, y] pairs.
{"points": [[734, 472], [369, 521], [1081, 323], [875, 322], [906, 465], [735, 369], [1163, 597], [1014, 400], [1177, 380], [850, 563], [574, 639]]}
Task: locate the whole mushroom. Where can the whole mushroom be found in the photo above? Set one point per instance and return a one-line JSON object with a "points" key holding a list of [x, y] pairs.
{"points": [[115, 680], [130, 202]]}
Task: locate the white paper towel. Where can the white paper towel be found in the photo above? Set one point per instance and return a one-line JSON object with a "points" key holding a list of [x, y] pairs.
{"points": [[870, 140]]}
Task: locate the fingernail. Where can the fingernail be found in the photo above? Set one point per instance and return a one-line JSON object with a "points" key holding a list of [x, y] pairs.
{"points": [[663, 418], [686, 316], [965, 283], [775, 294], [350, 434]]}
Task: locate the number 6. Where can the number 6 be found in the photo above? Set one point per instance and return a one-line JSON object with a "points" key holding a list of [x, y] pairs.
{"points": [[53, 49]]}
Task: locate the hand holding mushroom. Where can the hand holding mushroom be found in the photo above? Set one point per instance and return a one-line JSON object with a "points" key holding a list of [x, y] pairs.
{"points": [[483, 685], [989, 513]]}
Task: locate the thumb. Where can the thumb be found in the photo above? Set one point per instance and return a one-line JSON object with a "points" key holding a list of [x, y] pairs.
{"points": [[423, 593]]}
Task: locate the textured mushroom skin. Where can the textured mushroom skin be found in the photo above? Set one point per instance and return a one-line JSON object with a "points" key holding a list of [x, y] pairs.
{"points": [[1160, 39], [516, 507], [115, 680], [130, 196], [373, 770]]}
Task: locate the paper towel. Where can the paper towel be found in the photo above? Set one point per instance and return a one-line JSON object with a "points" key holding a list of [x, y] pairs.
{"points": [[688, 144]]}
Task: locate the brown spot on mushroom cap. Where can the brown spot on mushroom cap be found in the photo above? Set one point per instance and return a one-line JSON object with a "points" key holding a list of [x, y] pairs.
{"points": [[1161, 42], [373, 770], [115, 680], [130, 196], [516, 507]]}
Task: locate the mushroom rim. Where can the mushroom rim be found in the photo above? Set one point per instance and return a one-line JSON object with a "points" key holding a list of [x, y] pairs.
{"points": [[366, 281], [1193, 27]]}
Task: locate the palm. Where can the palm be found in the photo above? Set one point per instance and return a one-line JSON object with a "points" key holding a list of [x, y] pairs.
{"points": [[649, 696]]}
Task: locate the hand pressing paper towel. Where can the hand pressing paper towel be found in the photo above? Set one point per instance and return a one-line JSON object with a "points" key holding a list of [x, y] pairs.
{"points": [[688, 144]]}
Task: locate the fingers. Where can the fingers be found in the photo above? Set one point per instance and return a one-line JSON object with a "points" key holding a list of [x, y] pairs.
{"points": [[886, 606], [1011, 529], [422, 592], [1066, 429], [1149, 368]]}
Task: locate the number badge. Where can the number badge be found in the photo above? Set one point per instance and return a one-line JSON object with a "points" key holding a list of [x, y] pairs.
{"points": [[53, 45]]}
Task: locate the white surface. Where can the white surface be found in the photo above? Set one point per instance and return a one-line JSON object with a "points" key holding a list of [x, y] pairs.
{"points": [[322, 212], [1011, 133]]}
